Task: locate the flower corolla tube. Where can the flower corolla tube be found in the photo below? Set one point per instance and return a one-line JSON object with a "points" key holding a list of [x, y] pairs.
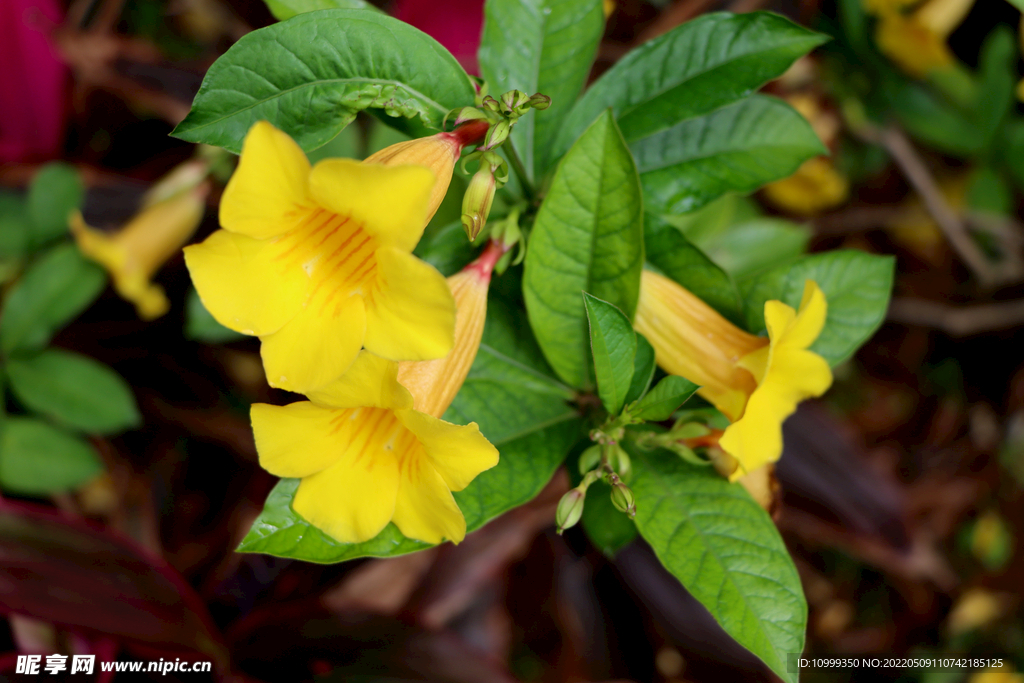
{"points": [[317, 261], [756, 382]]}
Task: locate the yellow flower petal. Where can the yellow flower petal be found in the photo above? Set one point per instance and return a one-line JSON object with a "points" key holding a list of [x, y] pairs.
{"points": [[425, 509], [353, 500], [411, 314], [437, 152], [316, 346], [295, 440], [810, 320], [457, 453], [368, 193], [242, 285], [267, 194], [371, 381]]}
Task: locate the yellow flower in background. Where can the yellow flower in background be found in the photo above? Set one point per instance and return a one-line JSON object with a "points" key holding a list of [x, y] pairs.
{"points": [[317, 261], [756, 382], [366, 457], [815, 187], [916, 42], [171, 211], [1002, 675], [786, 373]]}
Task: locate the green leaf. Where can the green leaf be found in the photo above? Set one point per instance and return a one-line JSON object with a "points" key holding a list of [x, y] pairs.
{"points": [[446, 248], [74, 390], [644, 366], [613, 344], [934, 121], [519, 407], [747, 248], [15, 227], [664, 399], [737, 148], [857, 288], [606, 527], [588, 236], [725, 550], [55, 192], [997, 80], [544, 46], [201, 326], [677, 258], [286, 9], [37, 459], [698, 67], [311, 74], [54, 289]]}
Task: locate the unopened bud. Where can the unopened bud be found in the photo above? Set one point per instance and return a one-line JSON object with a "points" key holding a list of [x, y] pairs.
{"points": [[619, 461], [476, 203], [468, 114], [570, 509], [539, 101], [590, 458], [622, 499], [497, 134], [513, 100], [491, 104]]}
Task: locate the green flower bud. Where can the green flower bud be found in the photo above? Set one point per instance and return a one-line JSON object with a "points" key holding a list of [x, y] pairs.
{"points": [[513, 100], [622, 499], [570, 509], [469, 114], [590, 459], [539, 101], [619, 461], [497, 134], [476, 203]]}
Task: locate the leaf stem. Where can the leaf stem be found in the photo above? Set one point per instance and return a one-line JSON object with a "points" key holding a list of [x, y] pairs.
{"points": [[520, 171]]}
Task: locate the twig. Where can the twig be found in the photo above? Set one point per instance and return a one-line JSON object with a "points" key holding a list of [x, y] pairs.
{"points": [[953, 227], [958, 321]]}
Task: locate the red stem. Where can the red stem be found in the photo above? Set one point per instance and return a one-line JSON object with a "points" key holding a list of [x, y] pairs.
{"points": [[469, 133], [484, 264]]}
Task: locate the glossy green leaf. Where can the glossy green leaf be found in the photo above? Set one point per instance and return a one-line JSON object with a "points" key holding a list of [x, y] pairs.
{"points": [[664, 399], [725, 550], [37, 459], [606, 527], [857, 288], [74, 390], [311, 75], [519, 407], [55, 192], [613, 344], [588, 236], [749, 247], [544, 46], [677, 258], [201, 326], [698, 67], [286, 9], [737, 148], [54, 289], [644, 366]]}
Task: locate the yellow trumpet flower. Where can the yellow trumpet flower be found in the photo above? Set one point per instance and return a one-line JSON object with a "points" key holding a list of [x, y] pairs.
{"points": [[170, 214], [916, 42], [366, 457], [317, 261], [756, 382]]}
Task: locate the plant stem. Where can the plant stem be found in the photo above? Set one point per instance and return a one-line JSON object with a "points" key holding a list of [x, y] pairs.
{"points": [[520, 171]]}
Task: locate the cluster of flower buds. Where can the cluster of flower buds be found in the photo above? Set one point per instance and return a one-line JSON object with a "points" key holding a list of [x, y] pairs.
{"points": [[605, 461]]}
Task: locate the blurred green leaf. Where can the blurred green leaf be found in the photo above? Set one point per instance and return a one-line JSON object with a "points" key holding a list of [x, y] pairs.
{"points": [[747, 248], [664, 399], [74, 390], [934, 121], [737, 148], [446, 248], [725, 550], [857, 288], [201, 326], [15, 227], [286, 9], [311, 75], [644, 366], [37, 459], [588, 236], [55, 192], [613, 344], [545, 46], [606, 527], [997, 80], [989, 192], [694, 69], [55, 288], [675, 256]]}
